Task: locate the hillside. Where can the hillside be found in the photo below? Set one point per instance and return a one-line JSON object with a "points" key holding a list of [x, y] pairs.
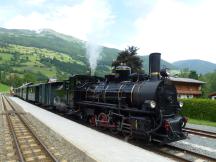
{"points": [[27, 55], [202, 67], [53, 41], [163, 64]]}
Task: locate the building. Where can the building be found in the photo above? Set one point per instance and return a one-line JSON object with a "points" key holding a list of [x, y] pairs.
{"points": [[187, 87], [212, 95]]}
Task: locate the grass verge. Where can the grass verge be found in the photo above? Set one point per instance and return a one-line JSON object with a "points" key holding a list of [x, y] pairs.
{"points": [[201, 122], [4, 88]]}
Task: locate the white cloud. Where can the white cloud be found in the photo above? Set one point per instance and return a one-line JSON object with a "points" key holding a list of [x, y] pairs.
{"points": [[88, 20], [6, 12], [140, 4], [78, 20], [179, 31], [33, 21], [3, 12], [176, 29], [34, 2]]}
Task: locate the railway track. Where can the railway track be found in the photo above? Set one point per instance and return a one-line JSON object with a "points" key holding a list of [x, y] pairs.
{"points": [[173, 152], [25, 144], [180, 154], [200, 132]]}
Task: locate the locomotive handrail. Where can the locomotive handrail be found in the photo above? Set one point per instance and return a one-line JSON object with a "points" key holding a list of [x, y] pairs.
{"points": [[79, 87], [113, 106]]}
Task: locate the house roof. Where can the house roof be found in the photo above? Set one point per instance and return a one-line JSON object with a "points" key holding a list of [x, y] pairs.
{"points": [[212, 94], [187, 80]]}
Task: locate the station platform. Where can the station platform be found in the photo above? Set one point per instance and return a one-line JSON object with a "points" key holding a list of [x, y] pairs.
{"points": [[97, 145]]}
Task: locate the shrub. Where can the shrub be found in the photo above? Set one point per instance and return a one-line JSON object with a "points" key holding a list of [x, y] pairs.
{"points": [[201, 109]]}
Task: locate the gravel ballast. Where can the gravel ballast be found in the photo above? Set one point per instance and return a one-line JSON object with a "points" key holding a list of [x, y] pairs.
{"points": [[57, 145], [202, 127], [199, 144], [61, 148]]}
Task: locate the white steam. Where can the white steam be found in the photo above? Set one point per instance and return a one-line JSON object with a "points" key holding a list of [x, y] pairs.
{"points": [[101, 19], [93, 53]]}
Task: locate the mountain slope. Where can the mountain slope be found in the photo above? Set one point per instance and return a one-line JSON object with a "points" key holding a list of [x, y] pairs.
{"points": [[43, 39], [61, 43], [57, 42], [202, 67], [27, 55], [19, 64], [52, 40]]}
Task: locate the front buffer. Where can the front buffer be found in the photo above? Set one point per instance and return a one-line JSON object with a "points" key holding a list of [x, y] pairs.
{"points": [[171, 130]]}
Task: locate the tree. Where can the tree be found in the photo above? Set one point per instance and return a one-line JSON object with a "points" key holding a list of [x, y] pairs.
{"points": [[29, 77], [130, 58], [186, 73], [40, 77], [210, 85], [193, 74]]}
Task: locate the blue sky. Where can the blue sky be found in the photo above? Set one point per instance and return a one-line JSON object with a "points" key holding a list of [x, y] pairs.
{"points": [[179, 29]]}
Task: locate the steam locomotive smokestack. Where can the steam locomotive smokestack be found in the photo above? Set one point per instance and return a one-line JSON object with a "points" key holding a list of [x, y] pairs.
{"points": [[154, 65]]}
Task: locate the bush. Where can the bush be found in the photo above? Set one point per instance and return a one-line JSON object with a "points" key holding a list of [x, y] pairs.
{"points": [[201, 109]]}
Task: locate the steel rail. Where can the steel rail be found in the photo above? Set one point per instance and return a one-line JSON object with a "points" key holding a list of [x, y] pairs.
{"points": [[173, 152], [200, 132], [11, 128], [168, 154], [44, 147], [180, 155], [191, 153], [167, 150]]}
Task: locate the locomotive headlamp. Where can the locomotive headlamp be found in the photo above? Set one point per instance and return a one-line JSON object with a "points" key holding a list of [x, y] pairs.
{"points": [[181, 104], [152, 104]]}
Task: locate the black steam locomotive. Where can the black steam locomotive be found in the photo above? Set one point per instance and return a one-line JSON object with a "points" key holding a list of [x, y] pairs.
{"points": [[139, 105]]}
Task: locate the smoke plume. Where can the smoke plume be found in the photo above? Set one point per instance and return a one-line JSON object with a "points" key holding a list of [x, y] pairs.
{"points": [[101, 19], [93, 53]]}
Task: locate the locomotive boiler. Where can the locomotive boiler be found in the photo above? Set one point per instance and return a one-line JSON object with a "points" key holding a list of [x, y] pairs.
{"points": [[136, 105]]}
